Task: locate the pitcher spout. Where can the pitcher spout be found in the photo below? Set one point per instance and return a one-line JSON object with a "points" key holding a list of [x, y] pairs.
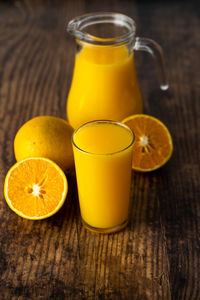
{"points": [[73, 28]]}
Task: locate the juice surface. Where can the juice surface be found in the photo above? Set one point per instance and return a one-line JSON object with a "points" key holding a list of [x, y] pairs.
{"points": [[103, 178], [103, 138], [104, 85]]}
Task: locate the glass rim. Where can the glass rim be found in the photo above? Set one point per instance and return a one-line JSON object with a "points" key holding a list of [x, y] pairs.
{"points": [[76, 26], [109, 122]]}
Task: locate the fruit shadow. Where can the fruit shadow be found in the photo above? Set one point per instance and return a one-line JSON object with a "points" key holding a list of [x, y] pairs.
{"points": [[144, 213], [70, 210]]}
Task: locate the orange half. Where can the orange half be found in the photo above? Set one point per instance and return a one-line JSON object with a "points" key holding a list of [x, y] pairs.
{"points": [[153, 145], [35, 188]]}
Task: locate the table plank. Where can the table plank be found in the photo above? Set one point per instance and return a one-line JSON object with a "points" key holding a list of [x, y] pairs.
{"points": [[157, 255]]}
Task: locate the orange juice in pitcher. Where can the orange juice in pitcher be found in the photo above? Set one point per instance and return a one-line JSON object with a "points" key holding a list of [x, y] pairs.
{"points": [[104, 83]]}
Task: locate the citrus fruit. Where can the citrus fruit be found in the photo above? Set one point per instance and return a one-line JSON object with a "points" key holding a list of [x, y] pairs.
{"points": [[35, 188], [45, 136], [153, 143]]}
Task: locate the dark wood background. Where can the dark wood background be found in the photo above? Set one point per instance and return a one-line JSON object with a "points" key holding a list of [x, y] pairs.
{"points": [[158, 255]]}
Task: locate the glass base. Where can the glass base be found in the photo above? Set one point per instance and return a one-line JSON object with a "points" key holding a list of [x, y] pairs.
{"points": [[105, 230]]}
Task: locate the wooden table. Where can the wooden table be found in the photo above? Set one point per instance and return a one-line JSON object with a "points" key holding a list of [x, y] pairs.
{"points": [[158, 255]]}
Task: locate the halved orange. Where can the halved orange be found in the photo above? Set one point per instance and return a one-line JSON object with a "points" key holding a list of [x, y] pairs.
{"points": [[35, 188], [153, 142]]}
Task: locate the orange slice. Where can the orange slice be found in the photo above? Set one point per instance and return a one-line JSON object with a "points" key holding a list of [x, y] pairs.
{"points": [[35, 188], [153, 143]]}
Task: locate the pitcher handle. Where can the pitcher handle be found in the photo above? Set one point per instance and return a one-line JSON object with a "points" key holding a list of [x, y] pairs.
{"points": [[156, 51]]}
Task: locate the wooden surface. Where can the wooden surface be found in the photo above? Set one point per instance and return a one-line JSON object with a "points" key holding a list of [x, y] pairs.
{"points": [[158, 255]]}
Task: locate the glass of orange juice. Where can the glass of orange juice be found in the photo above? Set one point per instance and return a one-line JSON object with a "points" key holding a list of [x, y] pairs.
{"points": [[103, 158]]}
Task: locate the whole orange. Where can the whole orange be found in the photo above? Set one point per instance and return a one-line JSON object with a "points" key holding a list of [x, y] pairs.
{"points": [[45, 136]]}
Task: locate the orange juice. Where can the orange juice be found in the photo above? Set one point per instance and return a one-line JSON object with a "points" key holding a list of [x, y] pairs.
{"points": [[103, 157], [104, 85]]}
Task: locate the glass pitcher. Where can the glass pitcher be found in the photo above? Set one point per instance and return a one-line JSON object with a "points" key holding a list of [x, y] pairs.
{"points": [[104, 83]]}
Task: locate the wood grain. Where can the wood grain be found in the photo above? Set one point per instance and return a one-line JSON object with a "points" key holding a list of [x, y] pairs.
{"points": [[158, 255]]}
